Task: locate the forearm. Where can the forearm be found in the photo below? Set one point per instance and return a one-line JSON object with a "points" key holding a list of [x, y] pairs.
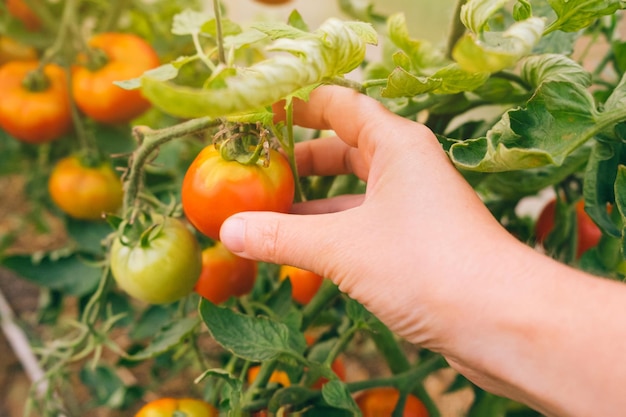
{"points": [[544, 334]]}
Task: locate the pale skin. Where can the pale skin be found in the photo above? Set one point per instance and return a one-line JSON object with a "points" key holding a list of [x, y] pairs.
{"points": [[421, 251]]}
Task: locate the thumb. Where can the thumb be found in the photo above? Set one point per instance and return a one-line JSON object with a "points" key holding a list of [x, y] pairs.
{"points": [[283, 238]]}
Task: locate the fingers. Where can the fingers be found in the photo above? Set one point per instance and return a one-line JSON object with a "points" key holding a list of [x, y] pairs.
{"points": [[328, 156], [329, 205], [284, 238]]}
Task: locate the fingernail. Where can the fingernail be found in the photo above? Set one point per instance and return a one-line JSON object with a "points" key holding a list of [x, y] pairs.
{"points": [[232, 234]]}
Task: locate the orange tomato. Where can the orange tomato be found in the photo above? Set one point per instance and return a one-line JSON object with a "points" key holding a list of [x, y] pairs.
{"points": [[127, 56], [22, 12], [304, 284], [278, 376], [380, 402], [36, 115], [85, 192], [167, 407], [224, 274]]}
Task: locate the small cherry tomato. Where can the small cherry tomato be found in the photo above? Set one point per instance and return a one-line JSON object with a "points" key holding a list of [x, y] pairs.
{"points": [[170, 407], [12, 50], [304, 284], [85, 192], [214, 189], [589, 233], [161, 269], [126, 56], [23, 13], [34, 108], [224, 274], [380, 402], [278, 376]]}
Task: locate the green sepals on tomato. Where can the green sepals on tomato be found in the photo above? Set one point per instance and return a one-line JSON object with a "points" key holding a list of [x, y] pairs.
{"points": [[83, 191], [160, 267], [116, 57], [168, 407], [214, 188], [224, 274], [35, 105]]}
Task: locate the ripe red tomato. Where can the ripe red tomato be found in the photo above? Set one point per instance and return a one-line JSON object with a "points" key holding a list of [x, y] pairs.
{"points": [[588, 232], [168, 407], [214, 189], [22, 12], [127, 56], [85, 192], [380, 402], [224, 274], [304, 284], [162, 270], [278, 376], [34, 116], [12, 50]]}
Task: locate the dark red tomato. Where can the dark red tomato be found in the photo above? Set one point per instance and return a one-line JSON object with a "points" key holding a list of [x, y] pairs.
{"points": [[170, 407], [224, 274], [85, 192], [589, 233], [214, 189], [127, 56], [37, 113], [20, 10], [304, 284], [380, 402]]}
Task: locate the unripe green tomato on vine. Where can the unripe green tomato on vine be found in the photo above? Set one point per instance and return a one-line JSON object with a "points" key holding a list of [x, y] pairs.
{"points": [[214, 189], [85, 192], [161, 267]]}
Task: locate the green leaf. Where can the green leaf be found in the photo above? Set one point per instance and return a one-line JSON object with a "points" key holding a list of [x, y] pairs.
{"points": [[107, 388], [251, 338], [164, 72], [422, 55], [475, 14], [599, 183], [522, 10], [229, 28], [87, 235], [620, 200], [558, 119], [617, 100], [150, 321], [170, 336], [574, 15], [538, 69], [337, 395], [189, 22], [70, 275], [297, 21], [311, 59], [293, 396], [495, 51]]}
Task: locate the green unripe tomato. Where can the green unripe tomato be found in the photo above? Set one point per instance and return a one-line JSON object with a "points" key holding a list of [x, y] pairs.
{"points": [[161, 269]]}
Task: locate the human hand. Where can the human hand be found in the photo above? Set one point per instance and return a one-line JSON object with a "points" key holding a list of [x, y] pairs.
{"points": [[419, 228]]}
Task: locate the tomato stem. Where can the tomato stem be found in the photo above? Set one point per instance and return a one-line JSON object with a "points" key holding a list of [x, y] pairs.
{"points": [[290, 150], [327, 292], [218, 27], [115, 10], [150, 140]]}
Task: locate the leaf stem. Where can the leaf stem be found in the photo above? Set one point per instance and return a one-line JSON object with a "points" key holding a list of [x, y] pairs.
{"points": [[116, 7], [327, 292], [150, 140], [457, 28], [219, 32]]}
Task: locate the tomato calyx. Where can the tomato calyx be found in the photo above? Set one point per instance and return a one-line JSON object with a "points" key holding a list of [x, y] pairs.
{"points": [[247, 144], [36, 81], [94, 59]]}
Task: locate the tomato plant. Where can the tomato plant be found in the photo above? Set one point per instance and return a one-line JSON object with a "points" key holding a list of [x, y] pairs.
{"points": [[214, 188], [588, 234], [168, 407], [115, 57], [85, 192], [162, 266], [35, 106], [304, 284], [224, 274], [379, 402], [516, 111], [273, 2]]}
